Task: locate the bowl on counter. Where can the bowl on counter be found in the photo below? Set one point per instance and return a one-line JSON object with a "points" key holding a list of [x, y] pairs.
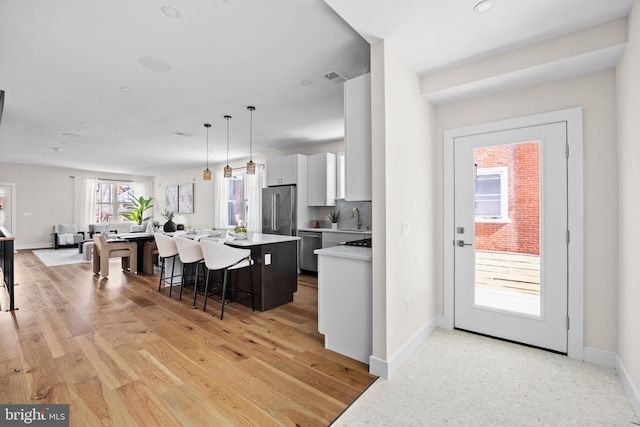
{"points": [[214, 233], [238, 236]]}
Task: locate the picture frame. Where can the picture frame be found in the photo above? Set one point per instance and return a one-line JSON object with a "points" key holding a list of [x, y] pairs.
{"points": [[185, 202], [172, 198]]}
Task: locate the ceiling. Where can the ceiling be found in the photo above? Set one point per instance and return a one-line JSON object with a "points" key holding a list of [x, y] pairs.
{"points": [[63, 62], [64, 65], [432, 35]]}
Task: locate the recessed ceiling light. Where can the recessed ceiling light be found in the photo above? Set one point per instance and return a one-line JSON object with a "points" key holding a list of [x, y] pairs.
{"points": [[171, 12], [58, 149], [85, 124], [484, 6], [71, 135], [155, 64], [125, 89], [306, 83]]}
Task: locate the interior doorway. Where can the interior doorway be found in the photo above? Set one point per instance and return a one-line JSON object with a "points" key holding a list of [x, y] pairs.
{"points": [[7, 206]]}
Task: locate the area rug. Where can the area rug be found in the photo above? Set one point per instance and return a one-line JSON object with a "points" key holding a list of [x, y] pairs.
{"points": [[53, 257]]}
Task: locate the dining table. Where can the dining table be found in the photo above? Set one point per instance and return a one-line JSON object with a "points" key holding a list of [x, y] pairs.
{"points": [[144, 257]]}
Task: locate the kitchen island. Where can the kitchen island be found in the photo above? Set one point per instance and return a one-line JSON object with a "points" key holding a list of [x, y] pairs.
{"points": [[275, 272], [345, 300]]}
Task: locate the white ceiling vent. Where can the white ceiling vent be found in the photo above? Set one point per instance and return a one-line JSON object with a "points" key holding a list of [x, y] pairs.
{"points": [[335, 76]]}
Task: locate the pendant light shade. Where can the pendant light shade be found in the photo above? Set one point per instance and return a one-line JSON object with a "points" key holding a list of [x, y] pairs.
{"points": [[251, 167], [206, 175], [227, 169]]}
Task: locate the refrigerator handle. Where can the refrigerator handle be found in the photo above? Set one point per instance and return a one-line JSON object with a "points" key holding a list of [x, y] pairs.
{"points": [[274, 211]]}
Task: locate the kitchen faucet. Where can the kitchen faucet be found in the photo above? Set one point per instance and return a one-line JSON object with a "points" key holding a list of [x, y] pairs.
{"points": [[357, 211]]}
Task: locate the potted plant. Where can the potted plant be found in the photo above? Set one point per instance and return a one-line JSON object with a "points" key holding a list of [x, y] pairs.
{"points": [[334, 216], [169, 226], [136, 212]]}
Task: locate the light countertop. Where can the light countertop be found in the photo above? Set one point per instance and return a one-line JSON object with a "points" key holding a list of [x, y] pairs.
{"points": [[339, 230], [344, 251], [256, 239]]}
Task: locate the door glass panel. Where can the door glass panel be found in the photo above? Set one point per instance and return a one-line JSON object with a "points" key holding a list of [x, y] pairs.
{"points": [[507, 228]]}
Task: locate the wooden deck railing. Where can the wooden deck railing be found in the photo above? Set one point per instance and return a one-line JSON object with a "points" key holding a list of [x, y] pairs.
{"points": [[508, 271]]}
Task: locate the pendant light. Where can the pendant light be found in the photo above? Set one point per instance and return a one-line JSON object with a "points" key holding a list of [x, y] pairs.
{"points": [[227, 169], [206, 175], [251, 167]]}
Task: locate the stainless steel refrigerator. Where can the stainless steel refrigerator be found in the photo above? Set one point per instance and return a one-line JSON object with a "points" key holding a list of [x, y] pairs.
{"points": [[279, 210]]}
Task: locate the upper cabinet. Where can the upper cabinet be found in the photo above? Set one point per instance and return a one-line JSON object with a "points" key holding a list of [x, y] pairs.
{"points": [[357, 138], [283, 170], [321, 183]]}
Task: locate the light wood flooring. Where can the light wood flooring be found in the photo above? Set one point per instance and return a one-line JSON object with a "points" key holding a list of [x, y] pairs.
{"points": [[123, 354]]}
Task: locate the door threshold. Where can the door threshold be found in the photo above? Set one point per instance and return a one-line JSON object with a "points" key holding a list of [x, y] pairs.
{"points": [[511, 341]]}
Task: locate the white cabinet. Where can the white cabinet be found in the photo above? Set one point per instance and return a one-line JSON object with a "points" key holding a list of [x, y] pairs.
{"points": [[357, 138], [321, 179], [345, 305], [282, 170]]}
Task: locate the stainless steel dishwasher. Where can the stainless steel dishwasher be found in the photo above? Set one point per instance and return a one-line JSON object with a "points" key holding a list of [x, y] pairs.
{"points": [[309, 242]]}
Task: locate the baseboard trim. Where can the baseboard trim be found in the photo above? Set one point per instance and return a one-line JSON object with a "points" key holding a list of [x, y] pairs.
{"points": [[629, 388], [385, 368], [34, 246], [600, 357]]}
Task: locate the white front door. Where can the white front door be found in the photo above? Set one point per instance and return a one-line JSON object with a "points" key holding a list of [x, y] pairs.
{"points": [[510, 278]]}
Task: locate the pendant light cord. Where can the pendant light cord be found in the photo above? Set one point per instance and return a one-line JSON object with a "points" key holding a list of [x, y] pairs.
{"points": [[227, 117], [251, 133]]}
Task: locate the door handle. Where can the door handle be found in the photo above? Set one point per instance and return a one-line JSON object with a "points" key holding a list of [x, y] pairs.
{"points": [[461, 243], [275, 212]]}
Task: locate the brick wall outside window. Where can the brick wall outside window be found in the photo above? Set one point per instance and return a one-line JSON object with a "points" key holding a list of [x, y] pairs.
{"points": [[522, 233]]}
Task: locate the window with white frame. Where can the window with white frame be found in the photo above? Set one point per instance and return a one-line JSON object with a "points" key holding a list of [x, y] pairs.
{"points": [[491, 194], [238, 203], [113, 198]]}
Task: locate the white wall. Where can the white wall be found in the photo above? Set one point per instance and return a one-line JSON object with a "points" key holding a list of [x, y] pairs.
{"points": [[403, 191], [629, 203], [44, 197], [204, 191], [596, 93]]}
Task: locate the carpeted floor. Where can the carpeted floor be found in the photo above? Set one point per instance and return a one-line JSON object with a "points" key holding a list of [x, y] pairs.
{"points": [[53, 257], [461, 379]]}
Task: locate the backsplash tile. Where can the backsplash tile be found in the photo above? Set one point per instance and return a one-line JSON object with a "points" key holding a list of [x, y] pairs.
{"points": [[346, 209]]}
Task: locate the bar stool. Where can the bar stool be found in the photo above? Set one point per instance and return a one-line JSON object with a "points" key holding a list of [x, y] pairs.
{"points": [[166, 249], [189, 253], [218, 256]]}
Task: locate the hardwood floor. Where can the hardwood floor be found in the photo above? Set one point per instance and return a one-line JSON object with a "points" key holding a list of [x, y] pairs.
{"points": [[123, 354]]}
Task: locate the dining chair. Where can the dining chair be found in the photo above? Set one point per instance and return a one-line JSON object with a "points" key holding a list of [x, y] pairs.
{"points": [[189, 253], [167, 249], [220, 257], [103, 250]]}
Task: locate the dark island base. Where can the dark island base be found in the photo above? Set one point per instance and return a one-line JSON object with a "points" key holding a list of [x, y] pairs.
{"points": [[274, 284]]}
